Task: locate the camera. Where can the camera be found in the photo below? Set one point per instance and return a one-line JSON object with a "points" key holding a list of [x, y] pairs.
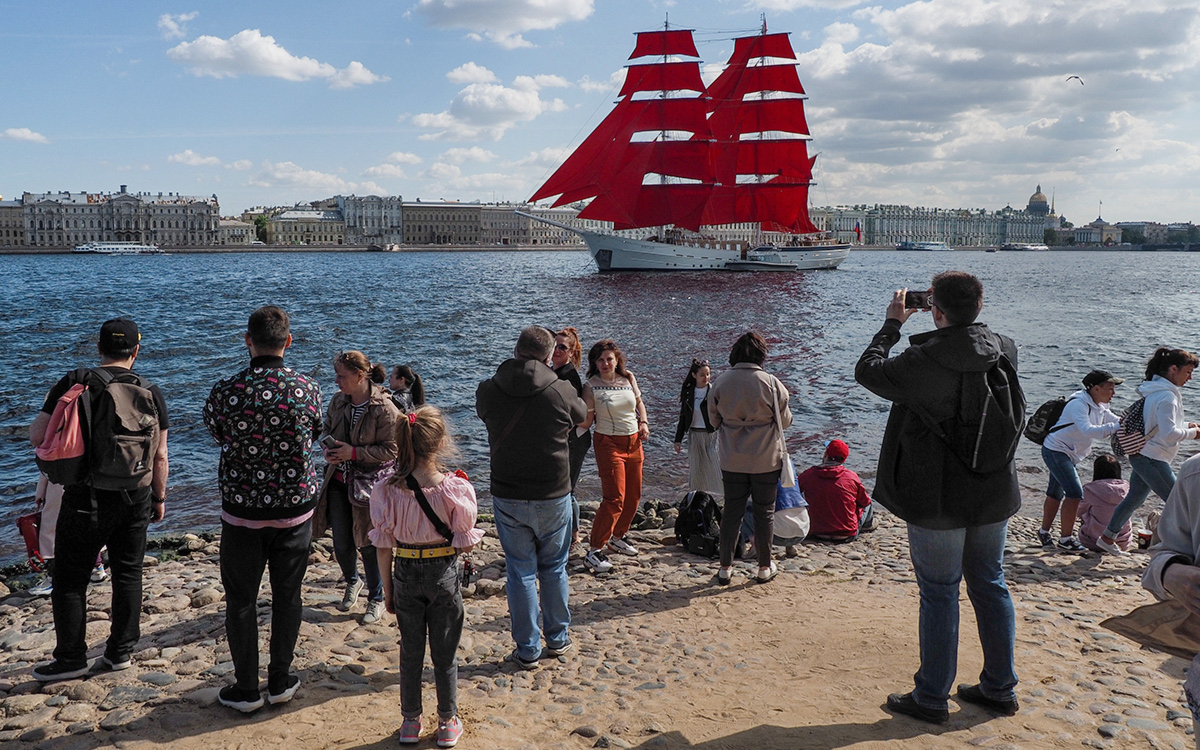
{"points": [[916, 300]]}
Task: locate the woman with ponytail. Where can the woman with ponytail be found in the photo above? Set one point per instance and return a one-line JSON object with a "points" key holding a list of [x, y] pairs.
{"points": [[704, 464], [408, 392], [422, 519], [1150, 469]]}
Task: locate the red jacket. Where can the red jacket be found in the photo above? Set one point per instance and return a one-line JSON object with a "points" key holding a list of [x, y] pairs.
{"points": [[836, 498]]}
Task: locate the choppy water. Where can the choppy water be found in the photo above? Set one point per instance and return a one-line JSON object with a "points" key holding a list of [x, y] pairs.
{"points": [[455, 316]]}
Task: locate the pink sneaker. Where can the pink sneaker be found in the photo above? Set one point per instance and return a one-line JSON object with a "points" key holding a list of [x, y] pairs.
{"points": [[449, 730], [410, 731]]}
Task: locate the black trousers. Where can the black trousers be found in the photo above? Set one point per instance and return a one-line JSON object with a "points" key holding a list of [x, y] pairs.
{"points": [[244, 555]]}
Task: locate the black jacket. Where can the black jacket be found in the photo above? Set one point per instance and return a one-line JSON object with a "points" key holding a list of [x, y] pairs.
{"points": [[529, 415], [920, 479], [685, 413]]}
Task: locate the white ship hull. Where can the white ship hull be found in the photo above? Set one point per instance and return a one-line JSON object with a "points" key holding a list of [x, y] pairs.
{"points": [[613, 253]]}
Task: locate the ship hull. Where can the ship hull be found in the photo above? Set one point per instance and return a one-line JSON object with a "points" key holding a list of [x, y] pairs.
{"points": [[613, 253]]}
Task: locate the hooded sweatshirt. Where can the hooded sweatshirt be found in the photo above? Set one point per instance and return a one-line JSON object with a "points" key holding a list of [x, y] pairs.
{"points": [[1163, 413], [529, 414], [920, 479], [836, 499], [1085, 421]]}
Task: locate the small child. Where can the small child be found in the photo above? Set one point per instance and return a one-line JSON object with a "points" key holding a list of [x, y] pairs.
{"points": [[424, 589], [1101, 496]]}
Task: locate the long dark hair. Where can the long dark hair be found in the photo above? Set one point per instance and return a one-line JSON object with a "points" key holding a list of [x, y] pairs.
{"points": [[1164, 357], [416, 388], [688, 391], [598, 349], [750, 347]]}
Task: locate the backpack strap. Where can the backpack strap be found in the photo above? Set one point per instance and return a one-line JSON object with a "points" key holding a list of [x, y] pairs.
{"points": [[437, 522]]}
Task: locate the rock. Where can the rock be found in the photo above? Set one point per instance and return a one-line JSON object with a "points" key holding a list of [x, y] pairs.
{"points": [[33, 719], [164, 604], [205, 597], [123, 695], [117, 719], [587, 730], [149, 561], [22, 704], [87, 692], [159, 679]]}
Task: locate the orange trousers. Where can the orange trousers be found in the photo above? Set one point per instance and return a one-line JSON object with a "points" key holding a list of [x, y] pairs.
{"points": [[619, 461]]}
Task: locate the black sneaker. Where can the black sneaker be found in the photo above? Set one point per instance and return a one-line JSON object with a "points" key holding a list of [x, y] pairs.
{"points": [[284, 695], [526, 664], [972, 694], [240, 699], [1070, 544], [105, 664], [903, 703], [1045, 538], [56, 670], [555, 652]]}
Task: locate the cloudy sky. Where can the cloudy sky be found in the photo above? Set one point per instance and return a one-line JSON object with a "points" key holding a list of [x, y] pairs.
{"points": [[950, 103]]}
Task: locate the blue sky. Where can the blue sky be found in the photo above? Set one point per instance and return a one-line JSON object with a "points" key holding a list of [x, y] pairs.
{"points": [[952, 103]]}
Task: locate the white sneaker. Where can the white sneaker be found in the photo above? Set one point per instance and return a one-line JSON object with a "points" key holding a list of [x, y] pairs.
{"points": [[618, 544], [1110, 547], [44, 587], [375, 610], [351, 596], [99, 574], [597, 561]]}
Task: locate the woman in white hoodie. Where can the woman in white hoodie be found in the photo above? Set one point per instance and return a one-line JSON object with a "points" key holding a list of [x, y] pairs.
{"points": [[1166, 372], [1085, 418]]}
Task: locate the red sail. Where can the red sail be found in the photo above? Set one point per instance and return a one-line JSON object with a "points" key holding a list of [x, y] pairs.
{"points": [[744, 81], [662, 43], [663, 77], [761, 45]]}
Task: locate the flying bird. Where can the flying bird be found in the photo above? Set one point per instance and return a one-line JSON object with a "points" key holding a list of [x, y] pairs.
{"points": [[1077, 78]]}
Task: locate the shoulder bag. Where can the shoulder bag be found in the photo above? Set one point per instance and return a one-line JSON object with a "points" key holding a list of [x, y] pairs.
{"points": [[787, 474]]}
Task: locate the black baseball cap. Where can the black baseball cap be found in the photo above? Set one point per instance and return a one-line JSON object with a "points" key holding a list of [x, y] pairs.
{"points": [[1096, 377], [119, 336]]}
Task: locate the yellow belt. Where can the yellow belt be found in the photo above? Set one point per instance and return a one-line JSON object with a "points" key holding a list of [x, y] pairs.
{"points": [[423, 552]]}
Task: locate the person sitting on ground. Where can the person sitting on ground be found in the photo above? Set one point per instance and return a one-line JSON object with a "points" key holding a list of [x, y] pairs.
{"points": [[789, 526], [839, 508], [1101, 496]]}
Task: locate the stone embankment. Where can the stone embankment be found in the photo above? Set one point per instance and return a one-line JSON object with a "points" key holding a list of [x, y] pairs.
{"points": [[664, 659]]}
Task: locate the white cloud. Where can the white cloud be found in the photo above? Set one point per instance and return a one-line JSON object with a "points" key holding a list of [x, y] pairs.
{"points": [[241, 165], [250, 53], [193, 159], [613, 83], [173, 26], [443, 171], [469, 72], [288, 174], [488, 110], [790, 5], [403, 157], [24, 134], [386, 170], [462, 155], [503, 22]]}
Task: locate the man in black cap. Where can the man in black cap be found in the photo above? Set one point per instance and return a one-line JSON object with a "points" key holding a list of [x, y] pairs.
{"points": [[112, 505], [1085, 418]]}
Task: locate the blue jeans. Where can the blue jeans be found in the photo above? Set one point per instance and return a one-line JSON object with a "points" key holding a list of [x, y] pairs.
{"points": [[341, 523], [941, 559], [536, 537], [1064, 477], [1146, 474]]}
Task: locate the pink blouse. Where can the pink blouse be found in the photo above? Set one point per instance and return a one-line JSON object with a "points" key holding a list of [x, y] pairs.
{"points": [[397, 517]]}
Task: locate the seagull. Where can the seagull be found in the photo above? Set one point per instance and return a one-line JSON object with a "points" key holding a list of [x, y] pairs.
{"points": [[1077, 78]]}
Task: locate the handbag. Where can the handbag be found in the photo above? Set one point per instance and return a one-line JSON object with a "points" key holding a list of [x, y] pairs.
{"points": [[29, 525], [787, 474], [360, 484]]}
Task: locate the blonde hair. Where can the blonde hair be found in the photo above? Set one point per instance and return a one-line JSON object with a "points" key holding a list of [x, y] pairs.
{"points": [[356, 360], [421, 434]]}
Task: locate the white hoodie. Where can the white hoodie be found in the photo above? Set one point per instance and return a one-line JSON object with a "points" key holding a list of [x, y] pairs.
{"points": [[1086, 421], [1165, 425]]}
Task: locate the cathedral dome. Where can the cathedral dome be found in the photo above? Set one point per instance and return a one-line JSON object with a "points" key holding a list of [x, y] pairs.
{"points": [[1038, 203]]}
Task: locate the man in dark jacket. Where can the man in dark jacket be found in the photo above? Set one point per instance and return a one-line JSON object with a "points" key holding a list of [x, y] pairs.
{"points": [[946, 468], [529, 414]]}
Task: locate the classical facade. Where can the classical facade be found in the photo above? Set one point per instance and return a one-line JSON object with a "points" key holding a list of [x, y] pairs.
{"points": [[371, 219], [306, 226], [1099, 232], [64, 219], [443, 223], [235, 233], [959, 227], [12, 224]]}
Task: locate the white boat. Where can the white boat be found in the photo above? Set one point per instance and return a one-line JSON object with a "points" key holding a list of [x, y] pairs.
{"points": [[1025, 247], [766, 258], [117, 248], [923, 246], [688, 158]]}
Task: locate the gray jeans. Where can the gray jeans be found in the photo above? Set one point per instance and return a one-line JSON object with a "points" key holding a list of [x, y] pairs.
{"points": [[428, 602]]}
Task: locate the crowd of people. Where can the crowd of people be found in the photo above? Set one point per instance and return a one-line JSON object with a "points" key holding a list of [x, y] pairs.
{"points": [[391, 499]]}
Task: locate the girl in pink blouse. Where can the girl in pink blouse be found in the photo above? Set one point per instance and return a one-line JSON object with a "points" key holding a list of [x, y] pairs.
{"points": [[423, 590]]}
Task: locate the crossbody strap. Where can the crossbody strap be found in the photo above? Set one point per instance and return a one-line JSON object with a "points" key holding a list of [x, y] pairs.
{"points": [[778, 419], [437, 522]]}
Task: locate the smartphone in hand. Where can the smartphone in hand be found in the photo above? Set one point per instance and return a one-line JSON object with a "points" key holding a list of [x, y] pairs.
{"points": [[916, 300], [329, 441]]}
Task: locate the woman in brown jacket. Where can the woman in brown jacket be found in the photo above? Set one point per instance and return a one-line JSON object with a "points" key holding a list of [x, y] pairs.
{"points": [[742, 404], [360, 446]]}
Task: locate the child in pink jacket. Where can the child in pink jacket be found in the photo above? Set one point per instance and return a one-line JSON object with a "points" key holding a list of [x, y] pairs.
{"points": [[1101, 497]]}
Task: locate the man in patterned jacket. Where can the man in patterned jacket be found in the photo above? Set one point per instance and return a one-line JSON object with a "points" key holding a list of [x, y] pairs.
{"points": [[264, 418]]}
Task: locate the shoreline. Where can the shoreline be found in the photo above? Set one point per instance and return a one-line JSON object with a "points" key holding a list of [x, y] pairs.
{"points": [[665, 659], [211, 249]]}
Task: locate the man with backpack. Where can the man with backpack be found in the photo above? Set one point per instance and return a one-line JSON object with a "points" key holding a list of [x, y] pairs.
{"points": [[946, 468], [119, 487]]}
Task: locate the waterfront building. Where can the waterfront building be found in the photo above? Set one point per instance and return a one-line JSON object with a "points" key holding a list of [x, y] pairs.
{"points": [[1099, 232], [12, 223], [1154, 232], [372, 219], [235, 233], [65, 218], [442, 223], [305, 225], [886, 224]]}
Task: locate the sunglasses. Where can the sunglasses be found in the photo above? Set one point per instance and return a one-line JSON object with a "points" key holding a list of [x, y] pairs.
{"points": [[560, 348]]}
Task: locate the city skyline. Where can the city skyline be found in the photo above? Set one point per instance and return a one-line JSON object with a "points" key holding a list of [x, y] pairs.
{"points": [[951, 104]]}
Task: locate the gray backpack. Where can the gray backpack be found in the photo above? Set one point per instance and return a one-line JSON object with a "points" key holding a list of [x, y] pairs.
{"points": [[124, 430]]}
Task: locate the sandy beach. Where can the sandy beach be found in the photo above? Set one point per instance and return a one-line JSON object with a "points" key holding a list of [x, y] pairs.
{"points": [[665, 659]]}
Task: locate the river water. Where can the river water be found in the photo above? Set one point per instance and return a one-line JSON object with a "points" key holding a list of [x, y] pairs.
{"points": [[455, 316]]}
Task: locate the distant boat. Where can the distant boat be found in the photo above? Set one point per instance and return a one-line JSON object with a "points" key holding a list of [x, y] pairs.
{"points": [[117, 248], [1024, 247], [681, 156], [922, 246]]}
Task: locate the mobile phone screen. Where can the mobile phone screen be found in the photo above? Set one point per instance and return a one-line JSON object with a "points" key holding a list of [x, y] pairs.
{"points": [[916, 300]]}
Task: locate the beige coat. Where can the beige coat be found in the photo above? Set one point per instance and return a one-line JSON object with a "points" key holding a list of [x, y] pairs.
{"points": [[374, 438], [741, 408]]}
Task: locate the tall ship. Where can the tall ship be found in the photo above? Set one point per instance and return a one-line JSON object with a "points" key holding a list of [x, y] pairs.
{"points": [[685, 159]]}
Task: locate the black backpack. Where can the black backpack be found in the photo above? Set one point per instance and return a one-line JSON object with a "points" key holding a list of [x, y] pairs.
{"points": [[698, 526], [123, 435], [1044, 419]]}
